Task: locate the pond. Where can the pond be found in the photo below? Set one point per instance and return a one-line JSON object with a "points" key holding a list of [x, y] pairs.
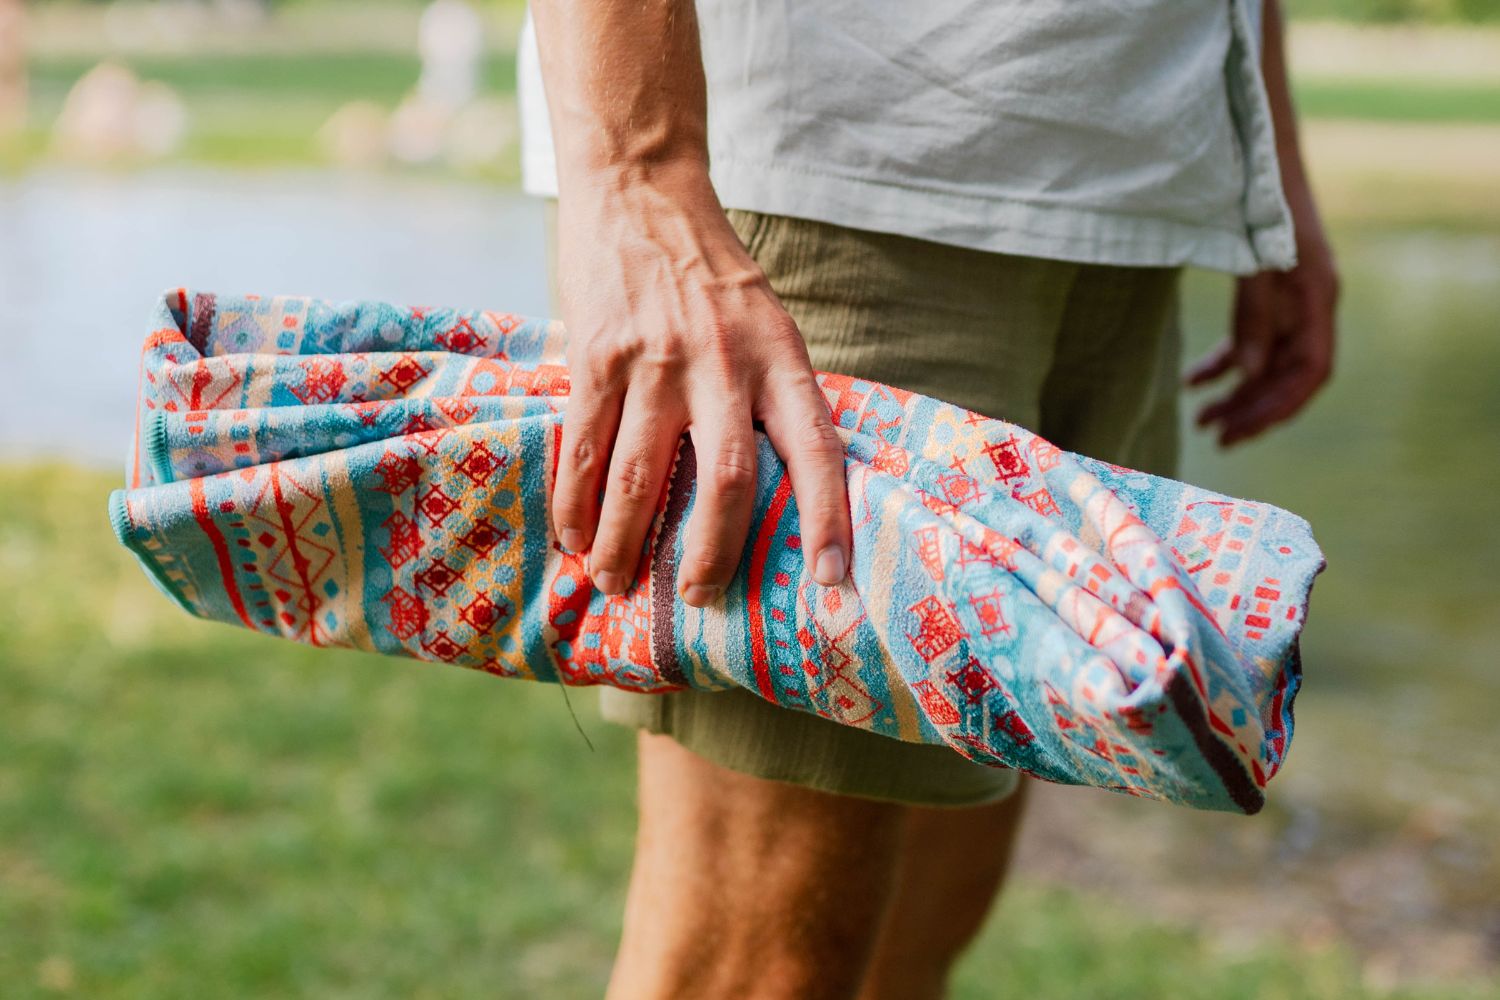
{"points": [[1383, 821], [83, 256]]}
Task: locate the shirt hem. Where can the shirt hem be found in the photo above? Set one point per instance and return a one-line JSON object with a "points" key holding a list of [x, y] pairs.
{"points": [[978, 221]]}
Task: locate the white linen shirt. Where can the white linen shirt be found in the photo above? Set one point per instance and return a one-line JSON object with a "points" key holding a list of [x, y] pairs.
{"points": [[1129, 132]]}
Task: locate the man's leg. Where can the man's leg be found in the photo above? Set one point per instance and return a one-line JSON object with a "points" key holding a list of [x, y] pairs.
{"points": [[953, 863], [749, 888], [1112, 394], [741, 877]]}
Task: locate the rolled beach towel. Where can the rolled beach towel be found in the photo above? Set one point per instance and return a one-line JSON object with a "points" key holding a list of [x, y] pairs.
{"points": [[376, 477]]}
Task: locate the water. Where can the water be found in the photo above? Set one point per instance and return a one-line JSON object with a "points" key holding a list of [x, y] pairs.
{"points": [[82, 257], [1389, 792]]}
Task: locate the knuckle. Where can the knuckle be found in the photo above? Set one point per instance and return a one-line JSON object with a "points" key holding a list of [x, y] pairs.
{"points": [[634, 480], [610, 554], [567, 511], [663, 354], [820, 513], [785, 329], [732, 474], [609, 358], [710, 563], [585, 456], [817, 436]]}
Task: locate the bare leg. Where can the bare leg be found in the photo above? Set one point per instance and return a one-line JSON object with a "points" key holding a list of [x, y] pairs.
{"points": [[748, 888], [953, 862]]}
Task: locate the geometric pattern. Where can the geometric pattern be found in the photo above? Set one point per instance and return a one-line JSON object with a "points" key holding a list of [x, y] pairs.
{"points": [[376, 477]]}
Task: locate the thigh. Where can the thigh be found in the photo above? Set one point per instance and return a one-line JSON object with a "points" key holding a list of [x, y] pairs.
{"points": [[1112, 391], [965, 326], [750, 888]]}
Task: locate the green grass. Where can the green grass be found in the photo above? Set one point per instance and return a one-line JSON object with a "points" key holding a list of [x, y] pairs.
{"points": [[188, 810], [1396, 11], [1399, 100]]}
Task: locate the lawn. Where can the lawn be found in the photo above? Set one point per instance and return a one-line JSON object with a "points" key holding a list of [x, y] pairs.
{"points": [[1396, 100], [187, 810]]}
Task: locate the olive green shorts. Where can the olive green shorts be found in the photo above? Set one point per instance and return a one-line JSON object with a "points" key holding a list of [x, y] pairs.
{"points": [[1084, 354]]}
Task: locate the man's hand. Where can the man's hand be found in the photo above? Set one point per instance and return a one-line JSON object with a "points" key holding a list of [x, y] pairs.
{"points": [[1281, 342], [1281, 338], [672, 326]]}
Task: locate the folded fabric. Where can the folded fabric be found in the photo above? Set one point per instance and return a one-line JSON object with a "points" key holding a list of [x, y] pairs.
{"points": [[377, 477]]}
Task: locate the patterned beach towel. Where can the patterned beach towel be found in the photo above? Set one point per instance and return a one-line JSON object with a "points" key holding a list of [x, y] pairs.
{"points": [[378, 477]]}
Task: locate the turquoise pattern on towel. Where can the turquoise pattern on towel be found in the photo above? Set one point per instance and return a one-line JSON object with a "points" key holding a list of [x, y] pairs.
{"points": [[377, 477]]}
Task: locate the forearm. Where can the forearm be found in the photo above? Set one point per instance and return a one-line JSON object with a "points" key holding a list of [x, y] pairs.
{"points": [[1279, 94], [1282, 337], [625, 87], [672, 326]]}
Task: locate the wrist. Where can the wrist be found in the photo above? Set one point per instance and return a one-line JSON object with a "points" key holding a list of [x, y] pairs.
{"points": [[685, 170], [652, 187]]}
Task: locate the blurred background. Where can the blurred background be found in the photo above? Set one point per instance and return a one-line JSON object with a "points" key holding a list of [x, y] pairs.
{"points": [[191, 811]]}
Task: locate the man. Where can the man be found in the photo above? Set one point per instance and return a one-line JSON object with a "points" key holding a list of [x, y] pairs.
{"points": [[988, 203]]}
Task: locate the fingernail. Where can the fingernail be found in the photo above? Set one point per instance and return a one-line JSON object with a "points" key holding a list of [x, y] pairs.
{"points": [[610, 582], [829, 569], [572, 540], [700, 595]]}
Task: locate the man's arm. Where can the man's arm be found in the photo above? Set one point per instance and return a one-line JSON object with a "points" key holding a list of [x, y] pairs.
{"points": [[671, 325], [1283, 328]]}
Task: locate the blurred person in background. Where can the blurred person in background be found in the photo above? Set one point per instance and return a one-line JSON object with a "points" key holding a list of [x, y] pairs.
{"points": [[990, 204]]}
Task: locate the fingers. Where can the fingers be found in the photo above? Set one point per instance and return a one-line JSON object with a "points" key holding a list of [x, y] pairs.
{"points": [[1277, 399], [797, 421], [1212, 365], [1286, 322], [1255, 405], [650, 427], [1235, 399], [589, 425], [1249, 346], [725, 446], [1303, 368]]}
